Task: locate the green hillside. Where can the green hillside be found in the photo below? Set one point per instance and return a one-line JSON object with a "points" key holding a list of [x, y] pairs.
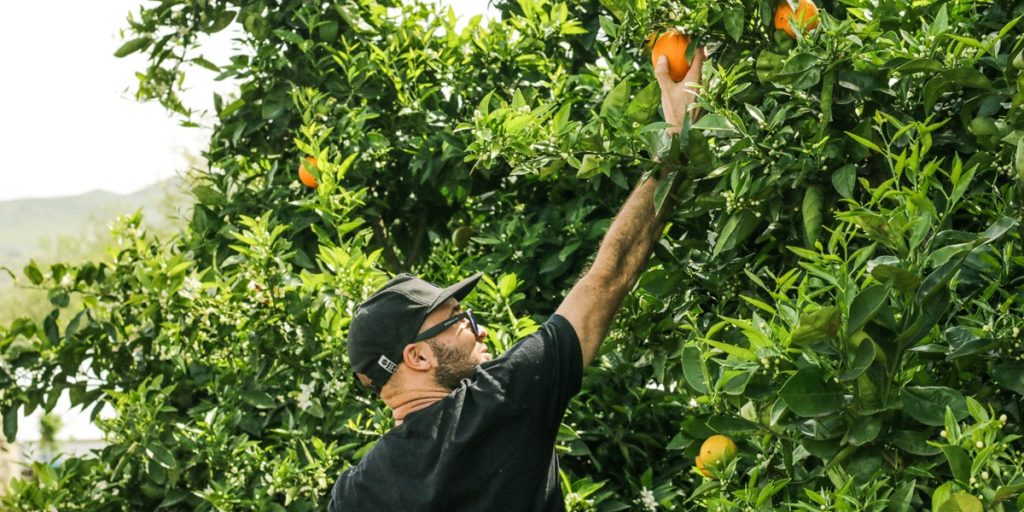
{"points": [[32, 228], [73, 229]]}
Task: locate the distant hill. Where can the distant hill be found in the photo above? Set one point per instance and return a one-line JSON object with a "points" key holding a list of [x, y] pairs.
{"points": [[55, 229]]}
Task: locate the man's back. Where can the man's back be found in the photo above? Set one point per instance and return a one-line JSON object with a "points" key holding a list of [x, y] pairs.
{"points": [[486, 446]]}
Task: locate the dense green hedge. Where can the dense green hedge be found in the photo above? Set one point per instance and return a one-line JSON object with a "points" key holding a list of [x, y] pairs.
{"points": [[839, 290]]}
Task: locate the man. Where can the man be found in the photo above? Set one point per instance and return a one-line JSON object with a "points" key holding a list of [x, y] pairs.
{"points": [[475, 434]]}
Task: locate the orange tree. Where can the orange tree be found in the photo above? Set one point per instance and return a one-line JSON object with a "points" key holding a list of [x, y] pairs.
{"points": [[838, 292]]}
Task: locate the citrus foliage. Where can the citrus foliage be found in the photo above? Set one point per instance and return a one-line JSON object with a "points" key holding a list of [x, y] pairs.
{"points": [[838, 291]]}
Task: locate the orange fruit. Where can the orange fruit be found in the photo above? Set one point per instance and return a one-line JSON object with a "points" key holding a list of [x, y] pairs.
{"points": [[305, 176], [806, 16], [672, 45], [700, 466], [717, 450]]}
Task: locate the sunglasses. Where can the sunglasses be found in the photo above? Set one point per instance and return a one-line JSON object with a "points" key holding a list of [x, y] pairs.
{"points": [[439, 328]]}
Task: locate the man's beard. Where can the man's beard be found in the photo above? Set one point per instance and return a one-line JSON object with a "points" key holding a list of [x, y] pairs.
{"points": [[453, 365]]}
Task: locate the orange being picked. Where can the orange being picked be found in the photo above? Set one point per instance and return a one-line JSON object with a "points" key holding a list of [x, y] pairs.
{"points": [[305, 176], [673, 45], [806, 16], [717, 450], [700, 467]]}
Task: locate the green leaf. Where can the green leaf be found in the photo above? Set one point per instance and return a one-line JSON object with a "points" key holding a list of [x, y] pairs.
{"points": [[271, 109], [258, 399], [959, 462], [811, 214], [209, 196], [699, 159], [844, 179], [662, 190], [133, 46], [644, 104], [940, 23], [50, 327], [161, 455], [1010, 375], [899, 501], [733, 350], [962, 502], [933, 90], [862, 357], [998, 229], [942, 494], [174, 496], [591, 166], [865, 306], [11, 423], [1018, 161], [963, 342], [864, 430], [352, 18], [864, 142], [920, 65], [891, 270], [731, 425], [734, 19], [737, 228], [58, 297], [619, 8], [714, 122], [801, 71], [679, 442], [968, 77], [657, 141], [328, 31], [767, 65], [615, 103], [693, 371], [809, 395], [939, 278], [927, 404], [913, 442], [32, 272], [1006, 492], [819, 325], [224, 18]]}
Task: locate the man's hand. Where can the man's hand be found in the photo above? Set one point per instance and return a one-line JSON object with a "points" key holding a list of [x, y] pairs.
{"points": [[676, 97]]}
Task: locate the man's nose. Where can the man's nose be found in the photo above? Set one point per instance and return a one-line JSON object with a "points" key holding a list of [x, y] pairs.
{"points": [[481, 333]]}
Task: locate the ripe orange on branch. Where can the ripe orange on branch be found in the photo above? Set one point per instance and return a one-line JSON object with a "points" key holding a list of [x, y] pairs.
{"points": [[672, 45], [806, 16], [717, 451], [305, 176]]}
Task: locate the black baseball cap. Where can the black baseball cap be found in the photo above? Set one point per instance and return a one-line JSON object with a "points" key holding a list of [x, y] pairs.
{"points": [[390, 319]]}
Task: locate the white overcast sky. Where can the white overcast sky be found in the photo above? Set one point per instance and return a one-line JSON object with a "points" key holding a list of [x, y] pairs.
{"points": [[68, 121]]}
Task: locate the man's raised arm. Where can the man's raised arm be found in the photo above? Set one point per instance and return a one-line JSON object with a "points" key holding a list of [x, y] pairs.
{"points": [[592, 303]]}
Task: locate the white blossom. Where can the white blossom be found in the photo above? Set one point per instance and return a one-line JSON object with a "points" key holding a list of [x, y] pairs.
{"points": [[647, 500], [307, 390]]}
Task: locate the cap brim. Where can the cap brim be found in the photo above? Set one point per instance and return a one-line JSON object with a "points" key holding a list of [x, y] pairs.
{"points": [[457, 291]]}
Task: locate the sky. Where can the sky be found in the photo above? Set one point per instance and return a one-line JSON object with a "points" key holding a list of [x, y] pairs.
{"points": [[69, 122]]}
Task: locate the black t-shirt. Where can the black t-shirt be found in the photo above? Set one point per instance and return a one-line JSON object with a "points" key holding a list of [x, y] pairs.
{"points": [[487, 446]]}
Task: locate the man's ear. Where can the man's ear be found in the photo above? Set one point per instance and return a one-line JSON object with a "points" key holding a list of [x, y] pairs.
{"points": [[418, 356], [366, 380]]}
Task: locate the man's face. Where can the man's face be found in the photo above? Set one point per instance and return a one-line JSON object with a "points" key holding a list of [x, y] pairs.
{"points": [[457, 349]]}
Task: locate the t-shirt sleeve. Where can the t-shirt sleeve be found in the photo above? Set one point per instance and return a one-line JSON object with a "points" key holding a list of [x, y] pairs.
{"points": [[545, 369]]}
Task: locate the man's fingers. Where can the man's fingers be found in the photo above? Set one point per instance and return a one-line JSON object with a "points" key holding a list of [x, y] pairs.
{"points": [[693, 75]]}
